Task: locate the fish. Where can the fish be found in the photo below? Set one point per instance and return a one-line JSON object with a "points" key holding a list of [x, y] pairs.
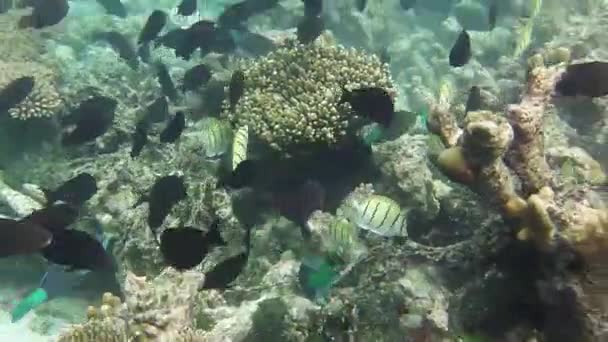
{"points": [[76, 191], [216, 137], [165, 81], [298, 205], [91, 119], [474, 100], [313, 8], [174, 128], [5, 6], [196, 77], [155, 23], [244, 175], [239, 146], [234, 15], [121, 45], [407, 4], [45, 13], [55, 217], [15, 92], [143, 52], [259, 6], [316, 276], [203, 35], [185, 247], [492, 14], [371, 102], [378, 214], [19, 238], [157, 111], [460, 54], [225, 273], [164, 194], [585, 79], [186, 7], [236, 89], [140, 138], [78, 250], [361, 5], [253, 44], [309, 29], [114, 7], [342, 237]]}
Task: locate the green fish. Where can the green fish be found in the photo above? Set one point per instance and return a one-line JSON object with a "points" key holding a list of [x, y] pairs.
{"points": [[29, 303]]}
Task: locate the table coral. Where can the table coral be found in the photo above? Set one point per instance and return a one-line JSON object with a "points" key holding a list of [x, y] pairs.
{"points": [[292, 95]]}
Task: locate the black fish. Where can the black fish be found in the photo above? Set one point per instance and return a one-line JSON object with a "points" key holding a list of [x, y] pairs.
{"points": [[155, 23], [186, 247], [298, 205], [143, 51], [313, 8], [114, 7], [174, 128], [236, 88], [75, 191], [140, 138], [157, 111], [173, 39], [309, 29], [45, 13], [54, 218], [460, 54], [15, 92], [186, 7], [361, 4], [224, 273], [166, 83], [254, 44], [474, 100], [585, 79], [374, 103], [259, 6], [164, 194], [17, 238], [223, 42], [243, 176], [5, 5], [78, 250], [91, 119], [407, 4], [121, 45], [492, 14], [234, 15], [195, 77]]}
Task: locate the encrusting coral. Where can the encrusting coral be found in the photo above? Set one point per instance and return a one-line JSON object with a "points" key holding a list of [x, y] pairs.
{"points": [[292, 95]]}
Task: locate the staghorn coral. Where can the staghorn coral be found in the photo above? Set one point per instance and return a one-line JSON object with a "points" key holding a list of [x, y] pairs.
{"points": [[43, 101], [292, 95]]}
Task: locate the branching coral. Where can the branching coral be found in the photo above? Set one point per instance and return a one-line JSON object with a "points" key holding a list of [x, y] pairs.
{"points": [[292, 94]]}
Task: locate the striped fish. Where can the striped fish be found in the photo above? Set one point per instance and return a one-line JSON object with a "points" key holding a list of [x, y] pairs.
{"points": [[341, 237], [378, 214], [239, 146], [216, 138]]}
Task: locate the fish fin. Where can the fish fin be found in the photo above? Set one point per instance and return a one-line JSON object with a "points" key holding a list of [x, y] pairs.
{"points": [[142, 199]]}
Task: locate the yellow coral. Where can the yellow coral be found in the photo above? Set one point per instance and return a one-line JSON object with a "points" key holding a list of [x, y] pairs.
{"points": [[537, 225]]}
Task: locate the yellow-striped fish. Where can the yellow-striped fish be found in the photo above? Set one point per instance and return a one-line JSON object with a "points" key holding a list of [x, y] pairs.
{"points": [[523, 36], [239, 146], [378, 214], [216, 137], [341, 236]]}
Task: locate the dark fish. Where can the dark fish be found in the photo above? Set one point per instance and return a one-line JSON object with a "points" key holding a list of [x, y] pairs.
{"points": [[460, 54], [78, 250], [155, 23], [121, 45], [114, 7], [45, 13], [143, 51], [223, 42], [5, 5], [234, 15], [15, 92], [166, 83], [195, 77], [243, 176], [91, 119], [492, 14], [54, 218], [474, 100], [184, 248], [140, 138], [373, 103], [236, 88], [361, 4], [164, 194], [407, 4], [584, 79], [157, 111], [202, 34], [309, 29], [75, 191], [313, 8], [17, 238], [298, 205], [254, 44], [174, 128], [173, 39], [186, 7], [259, 6]]}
